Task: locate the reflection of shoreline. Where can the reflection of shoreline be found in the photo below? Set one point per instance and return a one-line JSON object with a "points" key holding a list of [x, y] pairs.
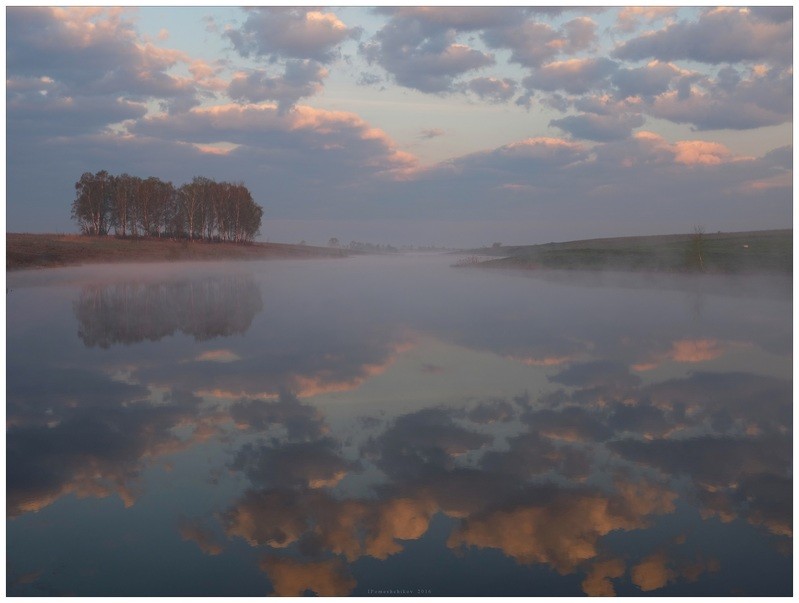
{"points": [[132, 312]]}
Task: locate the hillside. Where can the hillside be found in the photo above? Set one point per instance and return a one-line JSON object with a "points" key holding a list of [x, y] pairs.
{"points": [[735, 252]]}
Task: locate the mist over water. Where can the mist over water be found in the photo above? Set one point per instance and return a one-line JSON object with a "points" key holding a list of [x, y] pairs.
{"points": [[391, 424]]}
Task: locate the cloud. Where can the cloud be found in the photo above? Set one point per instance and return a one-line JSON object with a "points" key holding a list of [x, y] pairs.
{"points": [[94, 52], [432, 133], [719, 35], [601, 128], [296, 32], [428, 63], [301, 79], [575, 76], [630, 17], [493, 90], [763, 98], [534, 43], [337, 144], [647, 81]]}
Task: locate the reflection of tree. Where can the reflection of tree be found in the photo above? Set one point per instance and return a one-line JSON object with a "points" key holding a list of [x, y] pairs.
{"points": [[132, 312]]}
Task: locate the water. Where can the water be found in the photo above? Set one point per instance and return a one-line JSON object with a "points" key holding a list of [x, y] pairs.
{"points": [[392, 425]]}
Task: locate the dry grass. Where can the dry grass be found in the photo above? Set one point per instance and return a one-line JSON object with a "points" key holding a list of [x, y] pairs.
{"points": [[51, 250]]}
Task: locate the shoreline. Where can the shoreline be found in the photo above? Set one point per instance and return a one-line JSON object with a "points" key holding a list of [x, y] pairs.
{"points": [[33, 251], [766, 251]]}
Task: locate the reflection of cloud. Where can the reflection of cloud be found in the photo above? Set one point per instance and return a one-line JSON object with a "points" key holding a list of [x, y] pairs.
{"points": [[93, 442], [600, 373], [304, 464], [291, 578], [597, 583], [572, 424], [301, 421], [423, 441], [270, 518], [560, 527], [686, 351], [217, 356], [264, 372], [200, 535], [653, 572], [492, 411], [530, 454], [546, 361]]}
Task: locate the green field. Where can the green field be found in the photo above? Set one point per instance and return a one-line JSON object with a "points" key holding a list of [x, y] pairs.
{"points": [[733, 252]]}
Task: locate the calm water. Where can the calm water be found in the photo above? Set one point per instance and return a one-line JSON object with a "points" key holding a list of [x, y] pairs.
{"points": [[393, 425]]}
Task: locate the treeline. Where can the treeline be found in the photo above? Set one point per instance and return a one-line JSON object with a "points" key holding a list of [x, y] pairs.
{"points": [[133, 206]]}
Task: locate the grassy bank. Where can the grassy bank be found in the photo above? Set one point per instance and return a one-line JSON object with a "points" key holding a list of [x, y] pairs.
{"points": [[735, 252], [51, 250]]}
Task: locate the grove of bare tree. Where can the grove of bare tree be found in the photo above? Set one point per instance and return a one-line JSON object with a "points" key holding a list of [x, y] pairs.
{"points": [[133, 206]]}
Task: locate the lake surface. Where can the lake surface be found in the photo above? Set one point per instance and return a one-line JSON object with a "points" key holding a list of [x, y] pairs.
{"points": [[393, 425]]}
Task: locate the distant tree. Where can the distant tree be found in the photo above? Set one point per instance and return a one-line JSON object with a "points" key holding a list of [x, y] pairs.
{"points": [[92, 204], [202, 208], [697, 246], [333, 242]]}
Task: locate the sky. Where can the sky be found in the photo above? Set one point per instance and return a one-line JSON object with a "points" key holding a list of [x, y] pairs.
{"points": [[413, 125]]}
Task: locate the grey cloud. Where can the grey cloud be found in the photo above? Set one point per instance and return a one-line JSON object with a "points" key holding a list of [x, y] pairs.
{"points": [[533, 43], [492, 89], [32, 114], [732, 103], [601, 128], [577, 76], [463, 18], [301, 78], [296, 32], [369, 79], [432, 133], [420, 59], [581, 33], [723, 35], [773, 14], [93, 55], [647, 81]]}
